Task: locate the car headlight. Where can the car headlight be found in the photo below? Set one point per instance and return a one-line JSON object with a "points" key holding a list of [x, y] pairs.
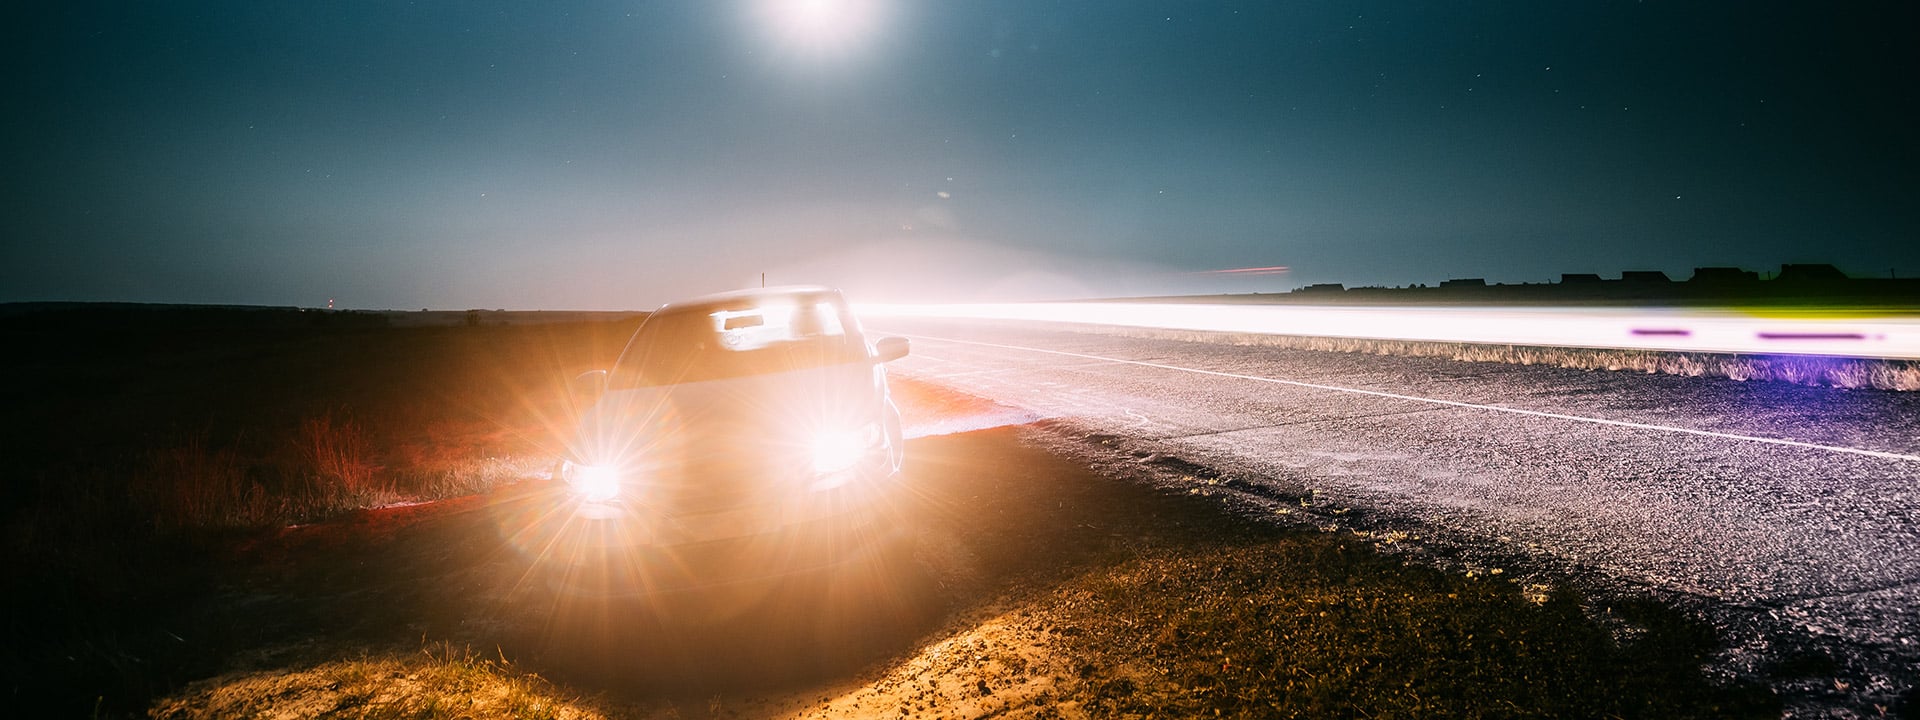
{"points": [[838, 450], [597, 483]]}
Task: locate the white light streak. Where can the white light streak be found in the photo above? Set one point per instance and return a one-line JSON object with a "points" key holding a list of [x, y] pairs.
{"points": [[1894, 337]]}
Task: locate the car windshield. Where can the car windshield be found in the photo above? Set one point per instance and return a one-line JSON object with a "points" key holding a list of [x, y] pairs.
{"points": [[750, 338]]}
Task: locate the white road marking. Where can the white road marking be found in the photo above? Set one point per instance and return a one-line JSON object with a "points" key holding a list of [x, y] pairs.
{"points": [[1452, 403]]}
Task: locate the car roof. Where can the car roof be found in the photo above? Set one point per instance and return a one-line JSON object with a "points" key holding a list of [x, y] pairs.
{"points": [[736, 299]]}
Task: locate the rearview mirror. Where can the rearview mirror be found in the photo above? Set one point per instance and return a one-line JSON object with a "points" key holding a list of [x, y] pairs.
{"points": [[589, 386], [889, 349]]}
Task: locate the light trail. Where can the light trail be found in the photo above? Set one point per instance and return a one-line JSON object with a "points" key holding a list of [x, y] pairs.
{"points": [[1449, 403], [1670, 330]]}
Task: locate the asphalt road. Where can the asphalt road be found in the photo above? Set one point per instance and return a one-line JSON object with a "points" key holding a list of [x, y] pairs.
{"points": [[1789, 515]]}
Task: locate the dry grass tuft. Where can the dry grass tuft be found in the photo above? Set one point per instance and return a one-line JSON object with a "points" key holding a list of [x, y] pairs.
{"points": [[326, 468], [467, 477], [442, 681], [338, 459], [191, 485]]}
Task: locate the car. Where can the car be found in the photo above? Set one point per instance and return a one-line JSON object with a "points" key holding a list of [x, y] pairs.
{"points": [[739, 437]]}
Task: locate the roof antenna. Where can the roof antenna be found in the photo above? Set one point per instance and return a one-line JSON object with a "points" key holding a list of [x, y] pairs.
{"points": [[763, 281]]}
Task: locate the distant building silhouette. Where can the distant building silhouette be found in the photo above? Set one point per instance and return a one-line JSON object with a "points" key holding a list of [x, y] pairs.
{"points": [[1810, 272], [1709, 286], [1723, 275]]}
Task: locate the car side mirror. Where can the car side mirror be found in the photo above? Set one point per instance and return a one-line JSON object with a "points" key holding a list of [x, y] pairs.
{"points": [[889, 349], [589, 386]]}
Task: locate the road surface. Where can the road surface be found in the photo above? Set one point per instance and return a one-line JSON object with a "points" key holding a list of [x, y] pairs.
{"points": [[1789, 515]]}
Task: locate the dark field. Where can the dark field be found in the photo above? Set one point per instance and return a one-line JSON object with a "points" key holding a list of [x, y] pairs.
{"points": [[157, 467], [145, 444]]}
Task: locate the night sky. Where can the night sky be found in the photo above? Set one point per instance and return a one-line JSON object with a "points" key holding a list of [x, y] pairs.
{"points": [[579, 155]]}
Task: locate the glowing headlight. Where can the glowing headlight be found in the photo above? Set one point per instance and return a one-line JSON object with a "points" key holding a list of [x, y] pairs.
{"points": [[839, 450], [594, 482]]}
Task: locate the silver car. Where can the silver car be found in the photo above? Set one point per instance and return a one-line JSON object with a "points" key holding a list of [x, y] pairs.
{"points": [[739, 436]]}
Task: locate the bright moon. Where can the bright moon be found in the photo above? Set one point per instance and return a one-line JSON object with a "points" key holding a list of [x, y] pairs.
{"points": [[821, 26]]}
